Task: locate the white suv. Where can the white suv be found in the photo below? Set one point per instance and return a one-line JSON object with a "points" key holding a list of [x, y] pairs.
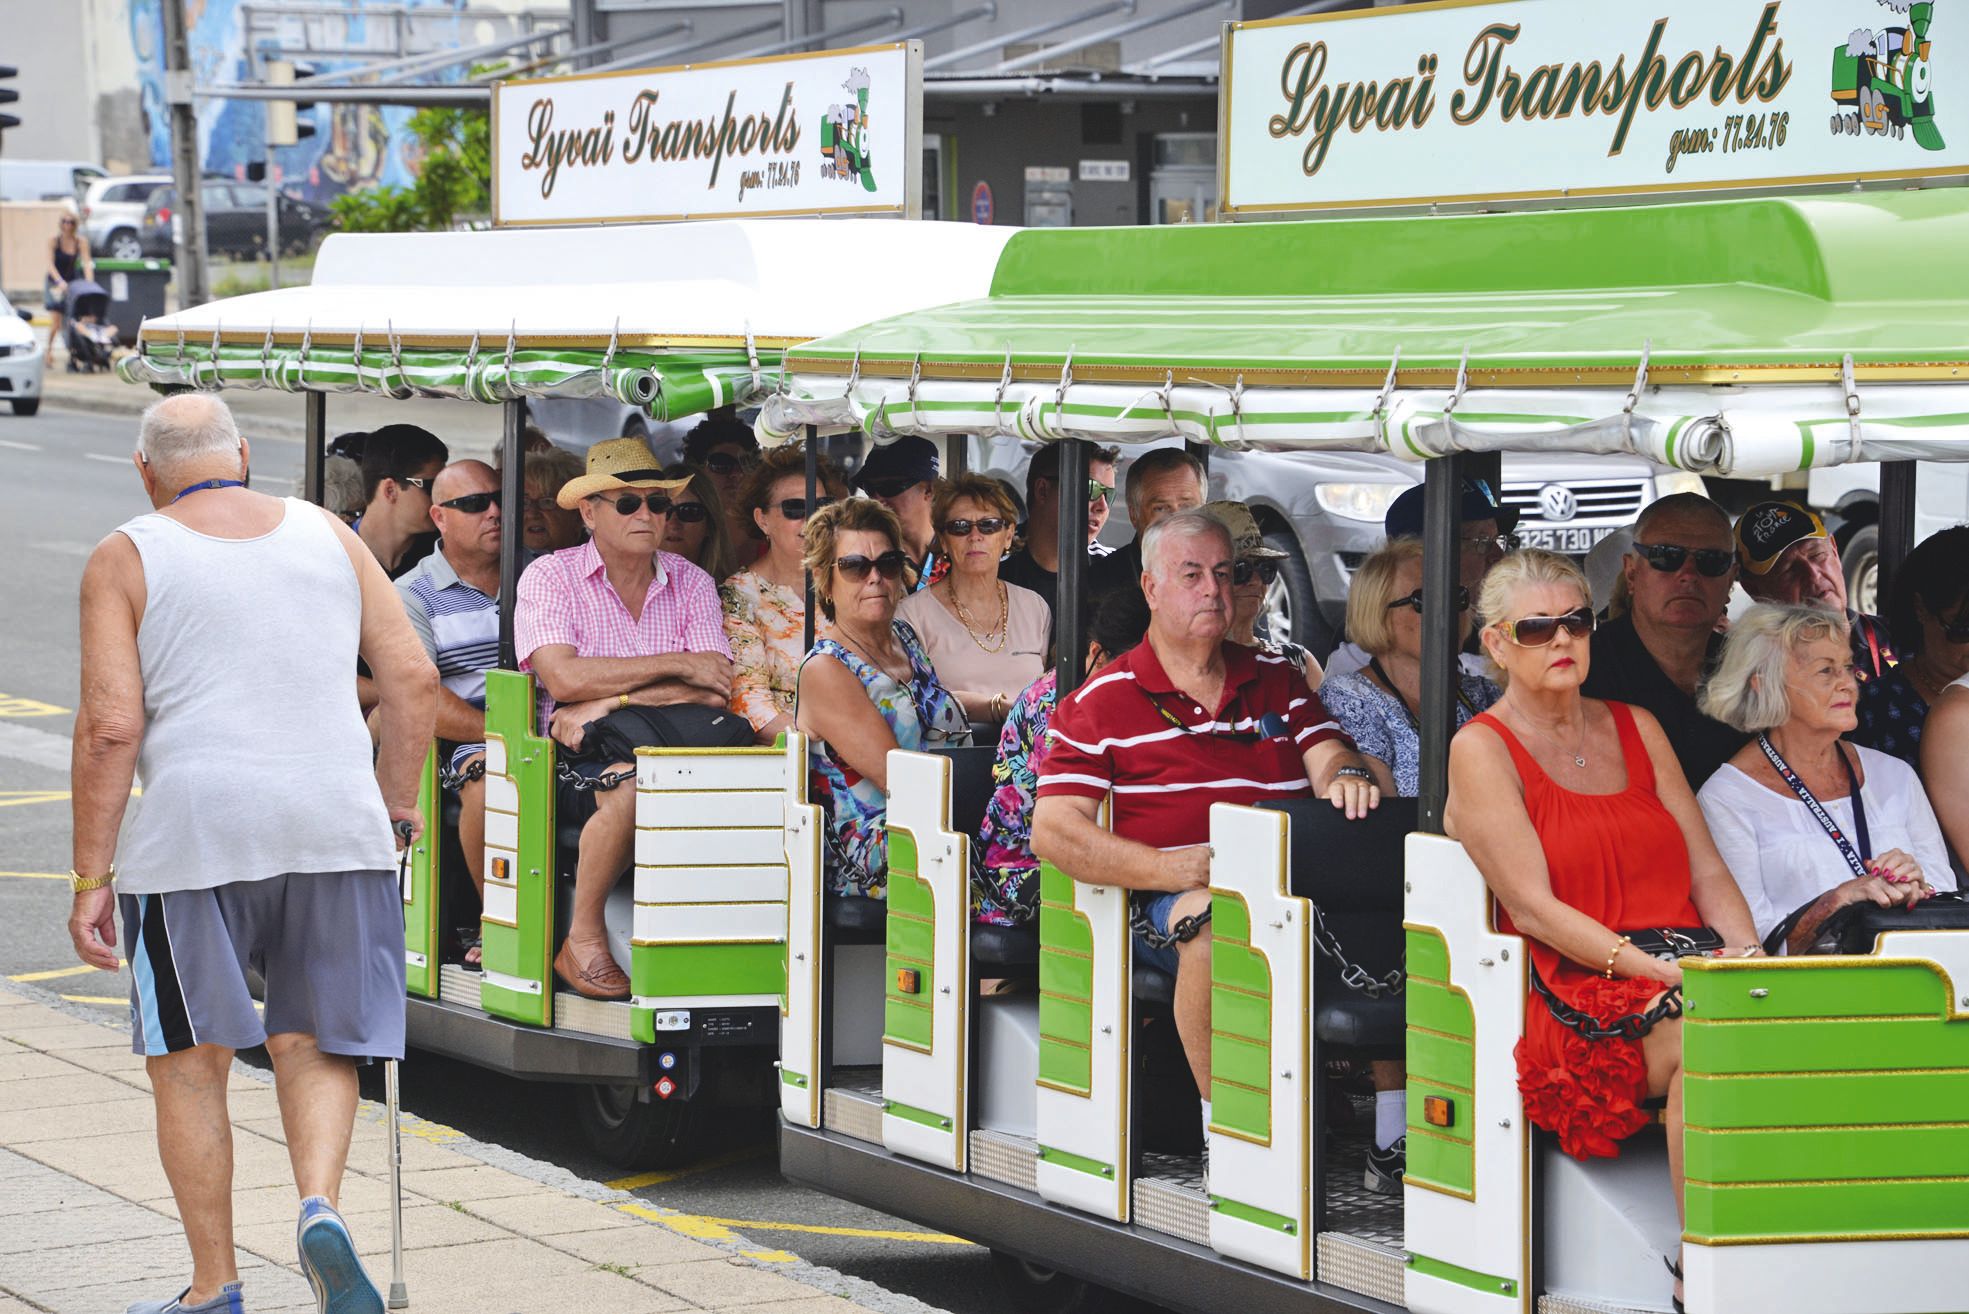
{"points": [[113, 214]]}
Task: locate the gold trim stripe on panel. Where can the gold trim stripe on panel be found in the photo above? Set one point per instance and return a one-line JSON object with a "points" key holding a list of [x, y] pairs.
{"points": [[1800, 1238]]}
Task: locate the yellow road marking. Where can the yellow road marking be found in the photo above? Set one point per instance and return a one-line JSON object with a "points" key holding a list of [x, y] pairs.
{"points": [[96, 999], [771, 1256], [640, 1180], [56, 972], [15, 798], [12, 706], [36, 875], [704, 1228]]}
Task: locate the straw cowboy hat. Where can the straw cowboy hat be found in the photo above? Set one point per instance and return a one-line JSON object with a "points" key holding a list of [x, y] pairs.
{"points": [[617, 463]]}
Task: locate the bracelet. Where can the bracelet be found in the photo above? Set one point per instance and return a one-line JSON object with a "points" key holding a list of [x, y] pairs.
{"points": [[1358, 773], [1614, 953], [622, 700], [997, 706], [80, 883]]}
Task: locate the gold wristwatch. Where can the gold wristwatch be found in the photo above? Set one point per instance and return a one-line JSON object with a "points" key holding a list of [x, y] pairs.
{"points": [[78, 882]]}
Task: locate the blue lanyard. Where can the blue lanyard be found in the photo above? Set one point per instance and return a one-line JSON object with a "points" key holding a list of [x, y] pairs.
{"points": [[1817, 809], [209, 483]]}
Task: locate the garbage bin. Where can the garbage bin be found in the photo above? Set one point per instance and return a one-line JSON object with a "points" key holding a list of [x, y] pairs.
{"points": [[136, 293]]}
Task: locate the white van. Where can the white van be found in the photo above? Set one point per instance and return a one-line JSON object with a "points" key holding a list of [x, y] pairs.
{"points": [[47, 180]]}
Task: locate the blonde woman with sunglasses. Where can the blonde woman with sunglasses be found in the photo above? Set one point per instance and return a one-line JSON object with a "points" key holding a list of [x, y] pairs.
{"points": [[1583, 826]]}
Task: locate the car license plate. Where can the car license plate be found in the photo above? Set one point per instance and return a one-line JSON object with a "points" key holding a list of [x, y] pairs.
{"points": [[1572, 539]]}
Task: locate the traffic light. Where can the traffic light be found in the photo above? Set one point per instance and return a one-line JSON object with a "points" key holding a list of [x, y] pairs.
{"points": [[287, 125], [8, 96]]}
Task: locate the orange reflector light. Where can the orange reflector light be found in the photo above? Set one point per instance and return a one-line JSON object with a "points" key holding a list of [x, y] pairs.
{"points": [[908, 981], [1438, 1111], [501, 870]]}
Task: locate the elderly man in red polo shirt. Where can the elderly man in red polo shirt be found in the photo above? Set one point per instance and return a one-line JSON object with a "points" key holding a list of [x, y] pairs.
{"points": [[1184, 720], [615, 623]]}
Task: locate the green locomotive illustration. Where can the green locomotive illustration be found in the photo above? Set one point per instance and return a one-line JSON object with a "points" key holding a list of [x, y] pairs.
{"points": [[844, 135], [1883, 81]]}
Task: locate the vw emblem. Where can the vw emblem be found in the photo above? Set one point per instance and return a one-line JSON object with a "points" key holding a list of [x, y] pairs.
{"points": [[1557, 503]]}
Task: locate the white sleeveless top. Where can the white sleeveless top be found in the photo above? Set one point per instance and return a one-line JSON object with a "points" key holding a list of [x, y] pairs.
{"points": [[255, 761]]}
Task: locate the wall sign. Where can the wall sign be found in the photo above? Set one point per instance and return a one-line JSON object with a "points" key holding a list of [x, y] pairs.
{"points": [[981, 206], [1048, 173], [1104, 171], [1514, 100], [838, 132]]}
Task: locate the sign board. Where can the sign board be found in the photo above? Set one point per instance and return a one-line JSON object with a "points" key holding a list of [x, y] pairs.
{"points": [[1104, 171], [981, 204], [1470, 101], [1048, 173], [837, 132]]}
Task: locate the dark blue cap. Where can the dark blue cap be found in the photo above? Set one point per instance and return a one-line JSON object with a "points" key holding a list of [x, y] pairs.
{"points": [[909, 458], [1404, 518]]}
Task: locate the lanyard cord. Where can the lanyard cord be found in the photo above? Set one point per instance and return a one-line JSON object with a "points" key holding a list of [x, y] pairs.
{"points": [[1817, 809], [1414, 723], [209, 483]]}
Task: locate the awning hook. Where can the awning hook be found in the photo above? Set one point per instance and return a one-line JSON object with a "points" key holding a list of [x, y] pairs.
{"points": [[915, 378], [752, 357], [1852, 388], [355, 359], [854, 371], [396, 351], [1462, 384], [614, 336], [512, 333], [998, 398], [1640, 379], [1060, 394], [266, 357]]}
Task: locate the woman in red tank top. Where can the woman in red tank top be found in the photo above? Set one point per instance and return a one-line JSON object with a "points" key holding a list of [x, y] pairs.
{"points": [[1578, 815]]}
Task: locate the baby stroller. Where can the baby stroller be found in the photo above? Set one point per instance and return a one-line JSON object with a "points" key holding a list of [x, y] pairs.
{"points": [[86, 332]]}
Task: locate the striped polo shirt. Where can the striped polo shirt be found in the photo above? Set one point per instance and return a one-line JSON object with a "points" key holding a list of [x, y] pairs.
{"points": [[459, 625], [1132, 732]]}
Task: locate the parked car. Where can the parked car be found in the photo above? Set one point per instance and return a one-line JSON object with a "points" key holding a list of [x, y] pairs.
{"points": [[1848, 496], [47, 180], [20, 363], [113, 213], [1325, 511], [235, 220]]}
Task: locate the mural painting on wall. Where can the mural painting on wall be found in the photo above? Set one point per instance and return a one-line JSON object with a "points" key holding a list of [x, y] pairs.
{"points": [[354, 146]]}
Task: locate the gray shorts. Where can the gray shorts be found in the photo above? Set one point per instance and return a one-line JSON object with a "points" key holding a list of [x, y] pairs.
{"points": [[329, 946]]}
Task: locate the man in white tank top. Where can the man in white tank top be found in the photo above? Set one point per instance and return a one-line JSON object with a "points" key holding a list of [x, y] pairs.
{"points": [[219, 643]]}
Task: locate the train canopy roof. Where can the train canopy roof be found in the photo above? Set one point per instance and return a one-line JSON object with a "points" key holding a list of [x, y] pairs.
{"points": [[1743, 337], [675, 318]]}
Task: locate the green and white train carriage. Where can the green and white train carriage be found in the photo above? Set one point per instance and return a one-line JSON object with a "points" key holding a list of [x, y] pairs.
{"points": [[1827, 1141], [674, 319]]}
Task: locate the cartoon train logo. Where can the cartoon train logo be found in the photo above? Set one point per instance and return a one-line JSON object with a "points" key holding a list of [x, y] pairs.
{"points": [[1883, 80], [844, 135]]}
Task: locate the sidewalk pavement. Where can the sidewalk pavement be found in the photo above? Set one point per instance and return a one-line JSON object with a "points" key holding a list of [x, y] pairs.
{"points": [[88, 1223]]}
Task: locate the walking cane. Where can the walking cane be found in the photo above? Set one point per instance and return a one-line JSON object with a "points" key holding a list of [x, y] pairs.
{"points": [[399, 1292]]}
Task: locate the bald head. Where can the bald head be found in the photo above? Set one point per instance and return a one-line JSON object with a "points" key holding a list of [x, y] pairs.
{"points": [[462, 478], [190, 437]]}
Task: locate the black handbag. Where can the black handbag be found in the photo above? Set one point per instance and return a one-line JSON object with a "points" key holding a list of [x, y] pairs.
{"points": [[1669, 943], [1855, 928], [617, 736]]}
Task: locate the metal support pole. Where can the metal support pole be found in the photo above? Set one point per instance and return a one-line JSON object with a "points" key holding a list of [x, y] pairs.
{"points": [[813, 491], [1201, 451], [1071, 644], [512, 526], [1441, 567], [1896, 523], [194, 289], [315, 456], [273, 207]]}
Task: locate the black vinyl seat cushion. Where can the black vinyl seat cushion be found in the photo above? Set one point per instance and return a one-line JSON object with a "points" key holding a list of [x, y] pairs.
{"points": [[1152, 985], [1004, 946], [1350, 1019], [970, 785], [856, 918]]}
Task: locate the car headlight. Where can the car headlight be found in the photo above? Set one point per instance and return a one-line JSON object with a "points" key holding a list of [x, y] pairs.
{"points": [[1358, 501], [1680, 481]]}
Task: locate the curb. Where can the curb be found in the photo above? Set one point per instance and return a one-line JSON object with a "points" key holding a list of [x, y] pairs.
{"points": [[737, 1249]]}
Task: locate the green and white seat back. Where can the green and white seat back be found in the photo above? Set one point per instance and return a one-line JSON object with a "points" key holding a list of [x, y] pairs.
{"points": [[518, 925], [803, 837], [1086, 956], [711, 880], [421, 878], [1467, 1190], [925, 1031]]}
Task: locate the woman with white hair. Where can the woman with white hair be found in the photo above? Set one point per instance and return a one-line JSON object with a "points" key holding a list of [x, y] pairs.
{"points": [[1809, 824]]}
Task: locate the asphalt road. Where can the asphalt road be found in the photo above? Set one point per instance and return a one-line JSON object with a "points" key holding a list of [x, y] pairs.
{"points": [[65, 482]]}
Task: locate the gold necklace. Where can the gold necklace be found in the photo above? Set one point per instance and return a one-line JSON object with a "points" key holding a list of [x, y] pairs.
{"points": [[1000, 630]]}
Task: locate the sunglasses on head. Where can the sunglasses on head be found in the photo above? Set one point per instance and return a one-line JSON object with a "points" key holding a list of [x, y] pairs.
{"points": [[1264, 568], [1415, 600], [856, 567], [795, 508], [689, 513], [1668, 557], [724, 463], [473, 504], [988, 526], [627, 504], [1537, 631]]}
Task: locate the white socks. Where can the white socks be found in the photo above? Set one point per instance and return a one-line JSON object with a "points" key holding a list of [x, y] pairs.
{"points": [[1206, 1121], [1390, 1117]]}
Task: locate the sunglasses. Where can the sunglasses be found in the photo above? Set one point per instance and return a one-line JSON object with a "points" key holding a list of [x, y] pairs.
{"points": [[1957, 630], [724, 463], [473, 504], [628, 504], [856, 567], [1485, 542], [1537, 631], [1462, 603], [1668, 557], [1098, 491], [689, 513], [422, 485], [1265, 568], [964, 528], [795, 508]]}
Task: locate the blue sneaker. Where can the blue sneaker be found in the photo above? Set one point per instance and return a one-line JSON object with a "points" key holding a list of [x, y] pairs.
{"points": [[228, 1301], [328, 1261]]}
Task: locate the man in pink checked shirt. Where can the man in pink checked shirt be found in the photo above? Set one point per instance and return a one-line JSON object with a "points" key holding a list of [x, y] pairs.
{"points": [[609, 624]]}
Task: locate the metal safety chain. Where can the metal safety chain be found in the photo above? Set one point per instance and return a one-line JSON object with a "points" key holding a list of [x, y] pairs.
{"points": [[1352, 974], [581, 784], [456, 780], [1181, 931], [1628, 1026]]}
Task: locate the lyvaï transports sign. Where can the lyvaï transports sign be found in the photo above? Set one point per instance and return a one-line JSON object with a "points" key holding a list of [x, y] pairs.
{"points": [[836, 132], [1521, 100]]}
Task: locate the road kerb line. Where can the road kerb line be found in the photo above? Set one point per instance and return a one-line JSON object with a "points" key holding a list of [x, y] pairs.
{"points": [[640, 1180], [55, 973]]}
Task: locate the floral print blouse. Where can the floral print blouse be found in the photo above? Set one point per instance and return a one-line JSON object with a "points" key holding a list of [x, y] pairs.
{"points": [[1010, 869], [766, 624], [922, 714]]}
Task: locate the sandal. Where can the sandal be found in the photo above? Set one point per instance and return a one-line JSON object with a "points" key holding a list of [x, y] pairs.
{"points": [[471, 950], [1676, 1269]]}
